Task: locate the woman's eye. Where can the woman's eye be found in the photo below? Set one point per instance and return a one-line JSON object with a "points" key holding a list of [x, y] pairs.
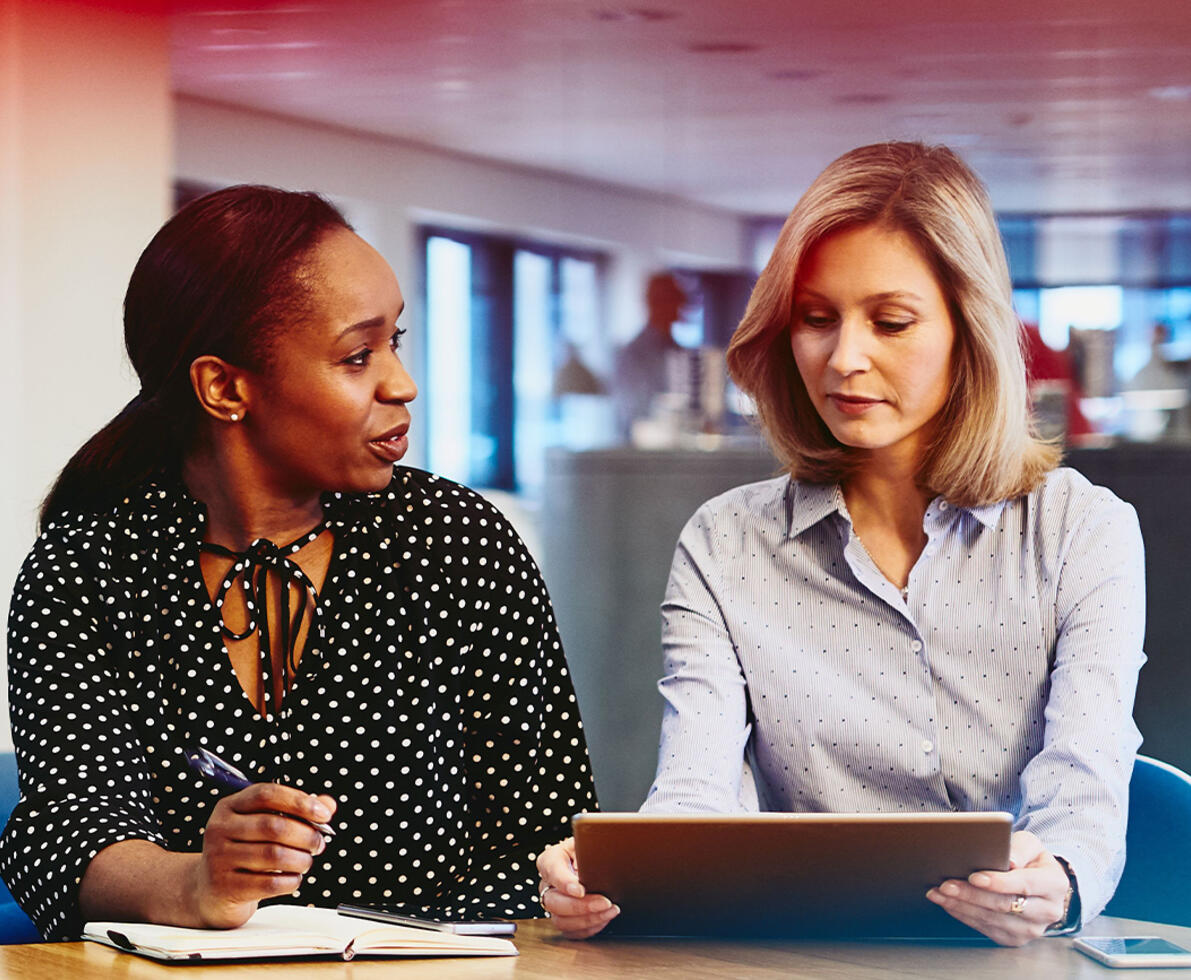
{"points": [[395, 340], [894, 326], [359, 358], [816, 321]]}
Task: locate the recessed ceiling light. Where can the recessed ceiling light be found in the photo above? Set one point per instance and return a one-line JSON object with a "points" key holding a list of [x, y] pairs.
{"points": [[1171, 93], [639, 14], [863, 98], [264, 46], [723, 47], [796, 74]]}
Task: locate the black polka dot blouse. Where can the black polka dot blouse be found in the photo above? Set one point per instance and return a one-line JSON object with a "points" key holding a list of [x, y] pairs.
{"points": [[432, 702]]}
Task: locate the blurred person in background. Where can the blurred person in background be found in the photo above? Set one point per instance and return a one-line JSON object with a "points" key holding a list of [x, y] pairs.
{"points": [[235, 563], [639, 369], [926, 613]]}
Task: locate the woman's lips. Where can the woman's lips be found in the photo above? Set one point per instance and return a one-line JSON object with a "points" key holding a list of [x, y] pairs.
{"points": [[854, 404], [392, 445]]}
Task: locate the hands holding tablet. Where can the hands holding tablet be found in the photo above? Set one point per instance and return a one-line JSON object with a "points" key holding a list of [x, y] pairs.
{"points": [[1015, 906], [577, 914], [1010, 907]]}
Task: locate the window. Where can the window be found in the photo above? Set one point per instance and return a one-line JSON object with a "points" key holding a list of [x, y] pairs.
{"points": [[1065, 308], [448, 358], [514, 352]]}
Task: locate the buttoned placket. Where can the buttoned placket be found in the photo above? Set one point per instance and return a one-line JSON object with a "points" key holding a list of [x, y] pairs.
{"points": [[925, 757]]}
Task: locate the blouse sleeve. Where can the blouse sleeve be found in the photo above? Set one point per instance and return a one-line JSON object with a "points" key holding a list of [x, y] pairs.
{"points": [[528, 770], [705, 720], [83, 775], [1075, 791]]}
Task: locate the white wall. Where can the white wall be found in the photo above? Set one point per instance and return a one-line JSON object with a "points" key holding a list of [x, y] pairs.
{"points": [[388, 187], [85, 165]]}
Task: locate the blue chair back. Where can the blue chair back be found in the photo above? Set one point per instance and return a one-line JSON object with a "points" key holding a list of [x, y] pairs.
{"points": [[1156, 884], [15, 926]]}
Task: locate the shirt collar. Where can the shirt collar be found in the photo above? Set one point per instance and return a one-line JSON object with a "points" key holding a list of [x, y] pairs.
{"points": [[809, 503], [987, 514]]}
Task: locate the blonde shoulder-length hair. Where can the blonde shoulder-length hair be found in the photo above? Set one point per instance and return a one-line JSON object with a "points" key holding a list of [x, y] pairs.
{"points": [[985, 448]]}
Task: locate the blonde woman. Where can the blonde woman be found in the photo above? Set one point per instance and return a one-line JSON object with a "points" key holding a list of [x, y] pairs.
{"points": [[926, 613]]}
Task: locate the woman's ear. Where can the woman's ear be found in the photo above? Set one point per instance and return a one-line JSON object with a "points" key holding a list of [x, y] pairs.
{"points": [[221, 388]]}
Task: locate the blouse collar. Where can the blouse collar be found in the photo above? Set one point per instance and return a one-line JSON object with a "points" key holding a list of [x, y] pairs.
{"points": [[181, 517], [809, 503]]}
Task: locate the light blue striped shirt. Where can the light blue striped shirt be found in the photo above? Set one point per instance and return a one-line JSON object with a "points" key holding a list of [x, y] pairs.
{"points": [[1004, 682]]}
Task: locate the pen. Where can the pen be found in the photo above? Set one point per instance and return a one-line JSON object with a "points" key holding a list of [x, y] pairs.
{"points": [[208, 764]]}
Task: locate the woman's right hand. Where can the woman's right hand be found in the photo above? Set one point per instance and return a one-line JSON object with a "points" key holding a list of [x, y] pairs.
{"points": [[577, 914], [258, 844]]}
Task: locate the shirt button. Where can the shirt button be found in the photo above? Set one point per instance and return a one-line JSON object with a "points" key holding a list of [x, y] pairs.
{"points": [[916, 646], [943, 505], [927, 745]]}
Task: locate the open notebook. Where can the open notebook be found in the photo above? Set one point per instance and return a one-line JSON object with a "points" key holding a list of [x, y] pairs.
{"points": [[291, 930]]}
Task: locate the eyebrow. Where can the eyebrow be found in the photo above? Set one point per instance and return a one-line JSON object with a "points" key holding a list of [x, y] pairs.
{"points": [[370, 324], [875, 297]]}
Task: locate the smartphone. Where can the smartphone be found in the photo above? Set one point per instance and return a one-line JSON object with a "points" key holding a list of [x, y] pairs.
{"points": [[1131, 952], [460, 927]]}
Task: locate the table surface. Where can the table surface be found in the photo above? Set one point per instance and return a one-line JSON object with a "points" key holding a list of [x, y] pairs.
{"points": [[544, 955]]}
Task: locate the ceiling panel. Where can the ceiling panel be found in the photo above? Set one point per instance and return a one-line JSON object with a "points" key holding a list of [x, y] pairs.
{"points": [[1062, 106]]}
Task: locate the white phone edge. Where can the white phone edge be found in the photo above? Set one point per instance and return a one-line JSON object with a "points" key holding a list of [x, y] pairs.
{"points": [[1130, 961]]}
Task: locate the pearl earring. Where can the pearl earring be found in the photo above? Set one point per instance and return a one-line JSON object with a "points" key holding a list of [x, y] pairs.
{"points": [[234, 417]]}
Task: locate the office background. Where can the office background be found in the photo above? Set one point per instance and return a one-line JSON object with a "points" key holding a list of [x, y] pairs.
{"points": [[525, 165]]}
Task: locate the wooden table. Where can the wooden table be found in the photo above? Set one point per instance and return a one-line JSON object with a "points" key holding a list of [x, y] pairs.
{"points": [[544, 955]]}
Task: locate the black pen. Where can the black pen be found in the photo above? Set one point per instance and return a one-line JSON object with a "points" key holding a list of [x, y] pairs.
{"points": [[215, 769]]}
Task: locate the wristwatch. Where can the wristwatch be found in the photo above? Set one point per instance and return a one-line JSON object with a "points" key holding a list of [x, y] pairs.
{"points": [[1070, 922]]}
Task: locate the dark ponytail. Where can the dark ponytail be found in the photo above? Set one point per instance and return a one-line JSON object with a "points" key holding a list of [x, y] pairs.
{"points": [[219, 278]]}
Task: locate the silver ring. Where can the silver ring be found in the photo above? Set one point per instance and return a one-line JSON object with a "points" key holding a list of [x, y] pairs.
{"points": [[1018, 905], [542, 893]]}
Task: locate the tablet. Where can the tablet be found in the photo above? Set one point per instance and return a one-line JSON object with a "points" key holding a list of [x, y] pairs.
{"points": [[793, 875]]}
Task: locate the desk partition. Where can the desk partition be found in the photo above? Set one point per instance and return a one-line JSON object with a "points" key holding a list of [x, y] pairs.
{"points": [[611, 518]]}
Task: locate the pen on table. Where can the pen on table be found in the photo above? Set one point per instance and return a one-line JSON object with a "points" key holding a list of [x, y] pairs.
{"points": [[214, 768]]}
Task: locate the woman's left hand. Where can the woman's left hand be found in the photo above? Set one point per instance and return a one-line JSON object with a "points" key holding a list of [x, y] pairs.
{"points": [[1010, 907]]}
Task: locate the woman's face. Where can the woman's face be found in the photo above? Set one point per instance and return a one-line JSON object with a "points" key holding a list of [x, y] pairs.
{"points": [[872, 337], [330, 411]]}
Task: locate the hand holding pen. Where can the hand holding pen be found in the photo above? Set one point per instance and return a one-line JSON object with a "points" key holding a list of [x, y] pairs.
{"points": [[225, 774], [258, 843]]}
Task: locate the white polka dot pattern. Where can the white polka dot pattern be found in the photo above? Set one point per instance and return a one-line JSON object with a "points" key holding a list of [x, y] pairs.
{"points": [[432, 702], [1003, 681]]}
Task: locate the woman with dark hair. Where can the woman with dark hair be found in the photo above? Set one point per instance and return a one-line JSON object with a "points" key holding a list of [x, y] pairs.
{"points": [[926, 613], [235, 564]]}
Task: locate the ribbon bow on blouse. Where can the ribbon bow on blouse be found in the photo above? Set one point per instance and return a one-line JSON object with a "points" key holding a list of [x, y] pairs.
{"points": [[251, 569]]}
